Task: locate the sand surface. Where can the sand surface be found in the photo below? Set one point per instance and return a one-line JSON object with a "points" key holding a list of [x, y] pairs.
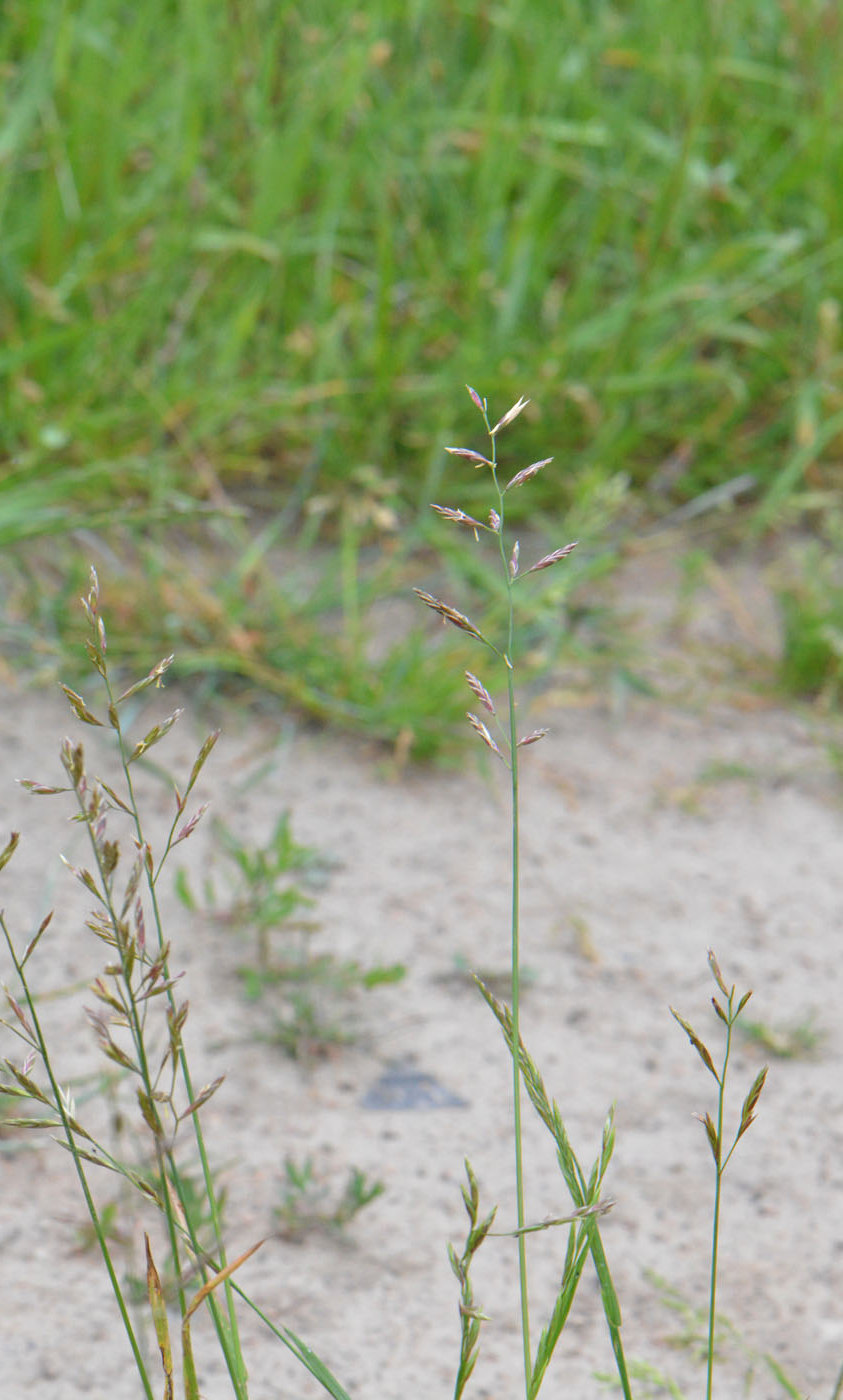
{"points": [[652, 830]]}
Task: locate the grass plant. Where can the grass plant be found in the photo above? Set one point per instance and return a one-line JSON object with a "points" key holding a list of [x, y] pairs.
{"points": [[504, 742], [139, 1024], [728, 1012], [584, 1238]]}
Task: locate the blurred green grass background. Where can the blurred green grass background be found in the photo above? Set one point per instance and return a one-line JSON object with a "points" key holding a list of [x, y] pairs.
{"points": [[251, 251]]}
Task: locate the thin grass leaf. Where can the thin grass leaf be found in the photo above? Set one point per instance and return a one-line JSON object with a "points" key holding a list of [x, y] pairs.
{"points": [[561, 1310]]}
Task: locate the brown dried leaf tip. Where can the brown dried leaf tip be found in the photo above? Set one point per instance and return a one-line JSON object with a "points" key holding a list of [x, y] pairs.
{"points": [[484, 734], [449, 614]]}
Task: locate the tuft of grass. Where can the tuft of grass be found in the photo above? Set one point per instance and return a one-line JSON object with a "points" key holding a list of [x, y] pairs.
{"points": [[797, 1041], [811, 666]]}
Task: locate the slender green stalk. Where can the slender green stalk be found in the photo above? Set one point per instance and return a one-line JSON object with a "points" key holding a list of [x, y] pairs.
{"points": [[69, 1133], [515, 930], [507, 752], [715, 1226], [728, 1015]]}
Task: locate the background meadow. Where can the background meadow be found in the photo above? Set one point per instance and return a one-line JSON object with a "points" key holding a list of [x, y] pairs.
{"points": [[251, 251]]}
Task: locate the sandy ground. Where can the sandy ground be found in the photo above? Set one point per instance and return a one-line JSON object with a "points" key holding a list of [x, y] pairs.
{"points": [[652, 831]]}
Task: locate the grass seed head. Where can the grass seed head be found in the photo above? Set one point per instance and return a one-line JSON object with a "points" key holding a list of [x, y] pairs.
{"points": [[484, 734], [716, 973], [449, 614], [460, 517], [532, 738], [509, 417], [548, 559], [476, 457], [527, 472], [477, 688]]}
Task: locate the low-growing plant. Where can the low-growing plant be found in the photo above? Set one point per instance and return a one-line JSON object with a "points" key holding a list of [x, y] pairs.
{"points": [[811, 610], [305, 993], [692, 1335], [308, 1204]]}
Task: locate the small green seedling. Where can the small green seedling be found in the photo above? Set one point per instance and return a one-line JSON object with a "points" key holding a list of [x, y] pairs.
{"points": [[268, 888], [307, 1205]]}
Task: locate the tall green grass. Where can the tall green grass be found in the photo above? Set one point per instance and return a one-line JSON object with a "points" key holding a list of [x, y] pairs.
{"points": [[251, 243]]}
